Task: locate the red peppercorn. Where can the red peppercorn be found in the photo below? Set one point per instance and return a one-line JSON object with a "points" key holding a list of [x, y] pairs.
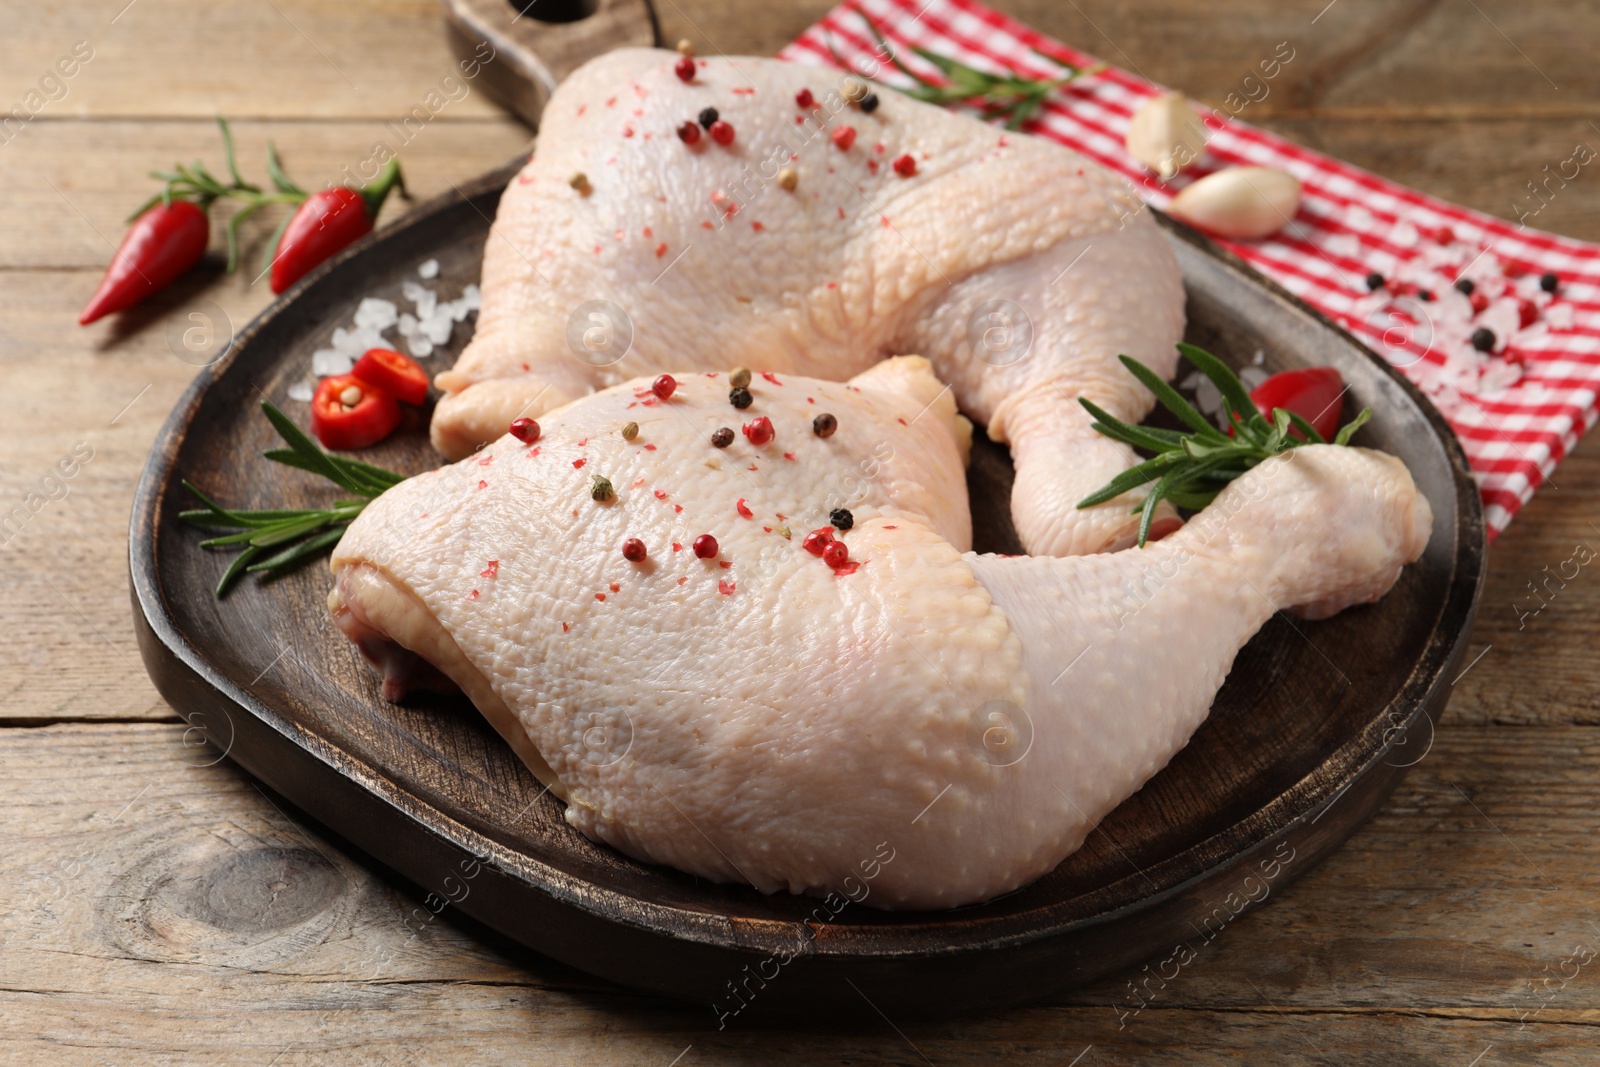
{"points": [[1527, 314], [664, 386], [804, 98], [705, 546], [760, 431], [633, 550], [525, 430], [817, 540], [684, 68], [689, 132], [844, 137], [836, 554], [722, 132], [905, 166]]}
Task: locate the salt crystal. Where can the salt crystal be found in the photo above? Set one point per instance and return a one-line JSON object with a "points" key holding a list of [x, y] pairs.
{"points": [[301, 390], [437, 327], [429, 269], [326, 361], [1501, 317], [347, 341], [408, 324], [411, 290], [473, 296], [421, 347], [426, 302], [375, 314]]}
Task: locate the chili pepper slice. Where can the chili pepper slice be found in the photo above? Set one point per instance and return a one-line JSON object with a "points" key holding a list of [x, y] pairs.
{"points": [[348, 413], [160, 247], [397, 374], [1316, 394], [329, 220]]}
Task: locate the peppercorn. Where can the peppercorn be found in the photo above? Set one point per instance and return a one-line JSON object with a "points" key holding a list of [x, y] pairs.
{"points": [[855, 90], [601, 489], [817, 540], [685, 47], [869, 103], [841, 518], [525, 430], [580, 182], [1483, 339], [705, 546], [689, 133], [824, 425], [633, 550], [1425, 295], [1464, 285], [804, 98], [664, 386], [836, 554], [1374, 280], [684, 68], [1549, 282], [760, 431], [722, 132], [708, 116], [630, 431], [905, 166], [740, 397], [722, 437], [788, 178], [739, 377], [843, 137]]}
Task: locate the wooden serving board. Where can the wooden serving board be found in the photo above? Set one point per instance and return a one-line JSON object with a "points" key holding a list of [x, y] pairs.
{"points": [[1315, 725]]}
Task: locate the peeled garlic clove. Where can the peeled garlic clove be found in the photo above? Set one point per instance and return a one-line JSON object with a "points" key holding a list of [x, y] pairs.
{"points": [[1166, 134], [1240, 202]]}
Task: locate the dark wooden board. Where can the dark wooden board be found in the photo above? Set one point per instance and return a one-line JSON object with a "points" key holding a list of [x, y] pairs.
{"points": [[1311, 731]]}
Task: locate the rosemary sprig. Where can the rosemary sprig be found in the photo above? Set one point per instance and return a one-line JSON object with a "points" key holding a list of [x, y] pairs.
{"points": [[289, 537], [1008, 96], [1190, 469]]}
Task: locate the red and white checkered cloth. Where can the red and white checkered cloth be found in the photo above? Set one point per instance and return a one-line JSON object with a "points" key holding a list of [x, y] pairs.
{"points": [[1518, 409]]}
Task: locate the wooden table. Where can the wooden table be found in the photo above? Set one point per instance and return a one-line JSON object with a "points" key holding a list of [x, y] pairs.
{"points": [[160, 907]]}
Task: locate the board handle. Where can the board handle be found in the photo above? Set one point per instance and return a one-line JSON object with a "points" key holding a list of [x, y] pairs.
{"points": [[534, 44]]}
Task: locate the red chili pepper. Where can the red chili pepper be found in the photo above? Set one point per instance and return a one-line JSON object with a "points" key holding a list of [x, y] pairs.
{"points": [[369, 417], [329, 220], [160, 247], [398, 375], [1316, 394]]}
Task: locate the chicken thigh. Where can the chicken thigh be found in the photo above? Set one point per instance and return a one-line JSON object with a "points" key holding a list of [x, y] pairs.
{"points": [[753, 712], [822, 237]]}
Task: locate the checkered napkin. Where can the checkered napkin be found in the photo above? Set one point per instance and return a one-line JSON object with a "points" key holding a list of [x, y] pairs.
{"points": [[1445, 273]]}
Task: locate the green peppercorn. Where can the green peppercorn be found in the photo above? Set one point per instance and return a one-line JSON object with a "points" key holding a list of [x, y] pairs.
{"points": [[630, 431], [601, 489], [739, 377]]}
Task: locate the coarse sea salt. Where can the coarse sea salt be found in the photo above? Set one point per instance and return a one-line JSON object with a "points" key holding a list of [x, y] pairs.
{"points": [[428, 326]]}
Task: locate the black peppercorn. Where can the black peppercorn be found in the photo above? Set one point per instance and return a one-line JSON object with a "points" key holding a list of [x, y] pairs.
{"points": [[869, 103], [740, 397], [722, 437], [1549, 282], [1374, 280], [1483, 339], [824, 425], [1465, 285], [708, 116], [841, 518], [1425, 295]]}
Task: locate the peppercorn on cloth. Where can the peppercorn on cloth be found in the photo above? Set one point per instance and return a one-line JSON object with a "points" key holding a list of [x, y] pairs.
{"points": [[1457, 300]]}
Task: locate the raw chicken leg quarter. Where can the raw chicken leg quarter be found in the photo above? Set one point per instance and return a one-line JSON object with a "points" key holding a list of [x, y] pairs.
{"points": [[1020, 268], [766, 715]]}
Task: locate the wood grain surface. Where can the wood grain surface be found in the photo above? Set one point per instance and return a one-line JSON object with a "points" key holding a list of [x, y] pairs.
{"points": [[160, 908]]}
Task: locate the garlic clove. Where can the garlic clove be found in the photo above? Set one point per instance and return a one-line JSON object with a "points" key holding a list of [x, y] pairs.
{"points": [[1240, 202], [1166, 134]]}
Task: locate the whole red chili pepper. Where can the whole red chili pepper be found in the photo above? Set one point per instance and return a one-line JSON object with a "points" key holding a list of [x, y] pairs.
{"points": [[329, 220], [162, 244]]}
